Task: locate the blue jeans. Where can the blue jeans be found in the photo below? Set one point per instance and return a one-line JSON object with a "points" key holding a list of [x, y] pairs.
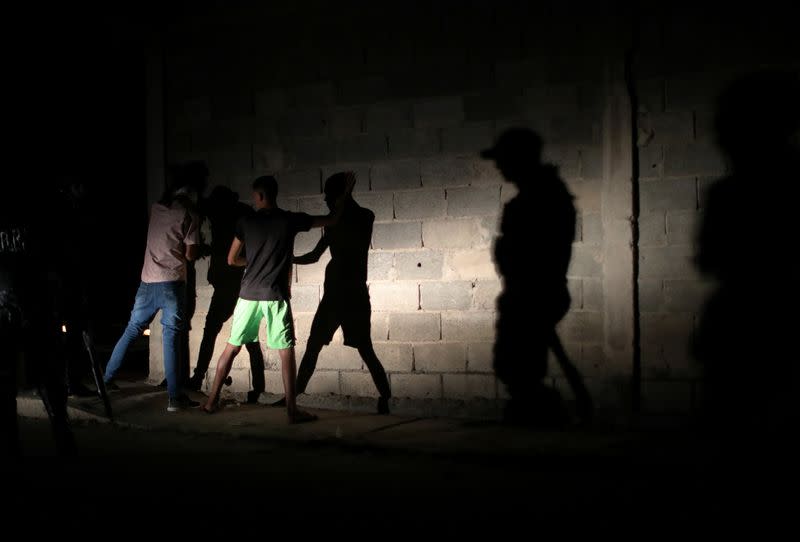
{"points": [[169, 298]]}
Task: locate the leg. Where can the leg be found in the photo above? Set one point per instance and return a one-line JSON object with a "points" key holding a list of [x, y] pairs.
{"points": [[172, 304], [9, 358], [308, 363], [223, 368], [144, 309], [280, 336], [210, 332], [375, 369], [257, 370]]}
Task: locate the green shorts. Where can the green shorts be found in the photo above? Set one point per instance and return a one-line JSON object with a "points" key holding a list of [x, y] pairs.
{"points": [[247, 318]]}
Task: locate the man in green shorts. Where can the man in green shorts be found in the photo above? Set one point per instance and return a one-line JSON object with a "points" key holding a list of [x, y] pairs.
{"points": [[267, 238]]}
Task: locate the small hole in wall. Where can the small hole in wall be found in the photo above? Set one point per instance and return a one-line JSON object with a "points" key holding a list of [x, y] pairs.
{"points": [[419, 264]]}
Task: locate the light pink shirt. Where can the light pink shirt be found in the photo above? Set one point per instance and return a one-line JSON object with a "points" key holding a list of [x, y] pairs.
{"points": [[170, 231]]}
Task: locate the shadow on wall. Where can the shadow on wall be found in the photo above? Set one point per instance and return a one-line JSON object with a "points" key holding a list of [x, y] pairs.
{"points": [[745, 334], [532, 253]]}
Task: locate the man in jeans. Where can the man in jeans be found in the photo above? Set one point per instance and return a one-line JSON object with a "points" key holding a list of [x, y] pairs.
{"points": [[172, 241], [267, 238]]}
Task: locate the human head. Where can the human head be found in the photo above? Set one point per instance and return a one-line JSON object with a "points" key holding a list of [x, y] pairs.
{"points": [[265, 191]]}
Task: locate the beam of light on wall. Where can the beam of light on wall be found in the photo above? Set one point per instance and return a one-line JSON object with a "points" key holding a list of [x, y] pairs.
{"points": [[63, 328], [146, 332]]}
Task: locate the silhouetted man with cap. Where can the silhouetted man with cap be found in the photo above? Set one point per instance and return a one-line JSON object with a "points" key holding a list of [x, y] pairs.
{"points": [[532, 253]]}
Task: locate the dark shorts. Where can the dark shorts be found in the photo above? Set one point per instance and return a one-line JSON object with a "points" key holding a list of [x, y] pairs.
{"points": [[351, 311]]}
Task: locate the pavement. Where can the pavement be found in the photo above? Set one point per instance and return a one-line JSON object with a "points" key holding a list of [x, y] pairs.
{"points": [[364, 475]]}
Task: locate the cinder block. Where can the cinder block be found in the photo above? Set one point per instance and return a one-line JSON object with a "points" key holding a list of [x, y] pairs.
{"points": [[268, 159], [379, 265], [299, 182], [480, 357], [313, 273], [565, 157], [651, 161], [305, 297], [379, 328], [271, 102], [586, 261], [651, 295], [315, 95], [473, 201], [339, 357], [302, 324], [458, 171], [460, 233], [419, 265], [653, 229], [440, 358], [469, 386], [674, 262], [420, 204], [303, 123], [388, 117], [306, 241], [438, 112], [395, 175], [591, 162], [414, 326], [395, 235], [696, 159], [593, 294], [587, 195], [491, 104], [313, 205], [361, 148], [685, 295], [358, 384], [362, 90], [380, 203], [592, 229], [682, 227], [581, 327], [575, 290], [395, 357], [484, 294], [673, 194], [672, 127], [324, 382], [468, 139], [394, 296], [470, 265], [414, 142], [346, 122], [446, 295], [468, 326], [308, 151], [417, 386]]}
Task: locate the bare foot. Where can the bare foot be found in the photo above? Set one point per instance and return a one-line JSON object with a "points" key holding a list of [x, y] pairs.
{"points": [[279, 403], [210, 407], [300, 416]]}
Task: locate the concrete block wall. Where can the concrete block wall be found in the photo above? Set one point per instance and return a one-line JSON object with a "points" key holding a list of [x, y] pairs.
{"points": [[406, 98], [407, 103], [677, 86]]}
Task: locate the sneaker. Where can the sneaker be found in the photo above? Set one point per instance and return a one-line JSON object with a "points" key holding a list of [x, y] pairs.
{"points": [[181, 402], [195, 383], [111, 386]]}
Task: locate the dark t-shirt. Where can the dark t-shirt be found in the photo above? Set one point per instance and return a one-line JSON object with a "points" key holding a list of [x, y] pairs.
{"points": [[268, 237]]}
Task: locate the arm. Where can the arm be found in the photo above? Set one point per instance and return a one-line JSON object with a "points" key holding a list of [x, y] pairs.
{"points": [[192, 252], [235, 254], [314, 255], [333, 218]]}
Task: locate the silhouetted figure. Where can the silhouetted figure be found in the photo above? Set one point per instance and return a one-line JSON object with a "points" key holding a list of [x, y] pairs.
{"points": [[77, 272], [223, 210], [745, 337], [532, 253], [29, 318], [345, 302], [264, 244]]}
